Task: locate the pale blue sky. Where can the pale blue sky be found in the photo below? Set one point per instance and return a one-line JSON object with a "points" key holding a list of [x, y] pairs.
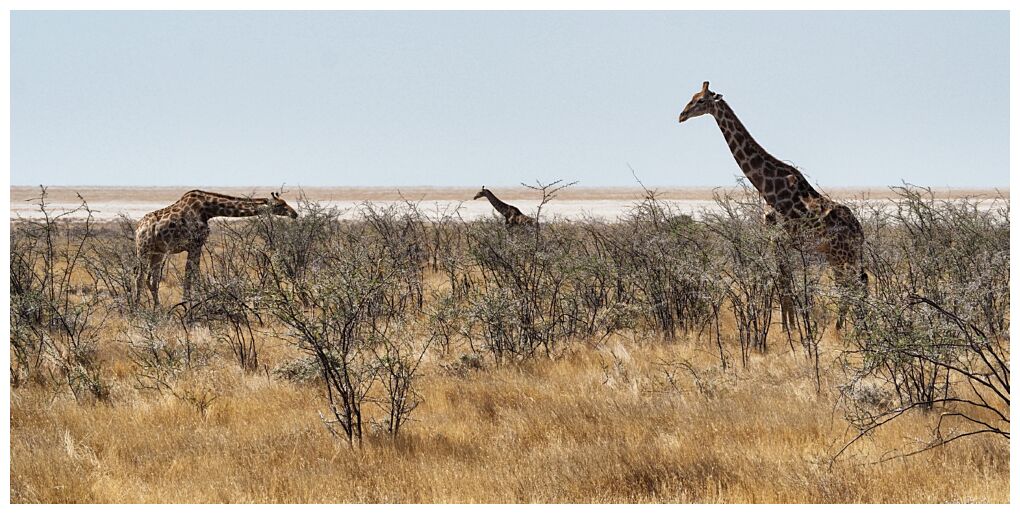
{"points": [[496, 98]]}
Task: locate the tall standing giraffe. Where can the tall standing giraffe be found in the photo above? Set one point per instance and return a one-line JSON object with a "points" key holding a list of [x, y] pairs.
{"points": [[804, 212], [183, 226], [513, 215]]}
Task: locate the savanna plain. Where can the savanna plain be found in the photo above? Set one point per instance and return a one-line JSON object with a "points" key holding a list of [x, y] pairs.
{"points": [[408, 355]]}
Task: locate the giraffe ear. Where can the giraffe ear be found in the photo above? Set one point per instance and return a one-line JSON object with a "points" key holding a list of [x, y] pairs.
{"points": [[704, 87]]}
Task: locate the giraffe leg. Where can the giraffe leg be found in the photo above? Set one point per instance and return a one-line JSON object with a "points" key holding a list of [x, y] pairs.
{"points": [[843, 279], [784, 285], [140, 278], [858, 284], [155, 275], [190, 269], [787, 309]]}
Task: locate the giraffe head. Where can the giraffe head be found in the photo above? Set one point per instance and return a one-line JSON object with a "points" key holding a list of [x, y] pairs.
{"points": [[703, 102], [280, 208], [480, 193]]}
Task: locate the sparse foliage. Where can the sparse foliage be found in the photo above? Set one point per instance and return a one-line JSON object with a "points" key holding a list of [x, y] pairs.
{"points": [[372, 295]]}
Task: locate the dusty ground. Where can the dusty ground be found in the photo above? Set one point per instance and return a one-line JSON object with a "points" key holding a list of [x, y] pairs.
{"points": [[572, 203], [169, 194]]}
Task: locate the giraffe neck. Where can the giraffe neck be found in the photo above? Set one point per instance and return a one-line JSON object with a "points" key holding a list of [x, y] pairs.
{"points": [[782, 186], [497, 204], [223, 206]]}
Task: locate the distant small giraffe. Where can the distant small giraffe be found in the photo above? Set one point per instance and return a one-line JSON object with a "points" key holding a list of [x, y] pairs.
{"points": [[513, 215], [804, 212], [183, 226]]}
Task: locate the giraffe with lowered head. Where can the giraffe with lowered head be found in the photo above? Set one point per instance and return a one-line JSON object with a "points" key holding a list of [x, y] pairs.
{"points": [[513, 215], [183, 226], [804, 212]]}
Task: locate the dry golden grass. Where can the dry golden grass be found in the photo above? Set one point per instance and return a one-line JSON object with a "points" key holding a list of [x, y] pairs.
{"points": [[596, 424]]}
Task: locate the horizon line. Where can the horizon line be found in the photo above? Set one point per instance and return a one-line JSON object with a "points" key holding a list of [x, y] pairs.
{"points": [[519, 185]]}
